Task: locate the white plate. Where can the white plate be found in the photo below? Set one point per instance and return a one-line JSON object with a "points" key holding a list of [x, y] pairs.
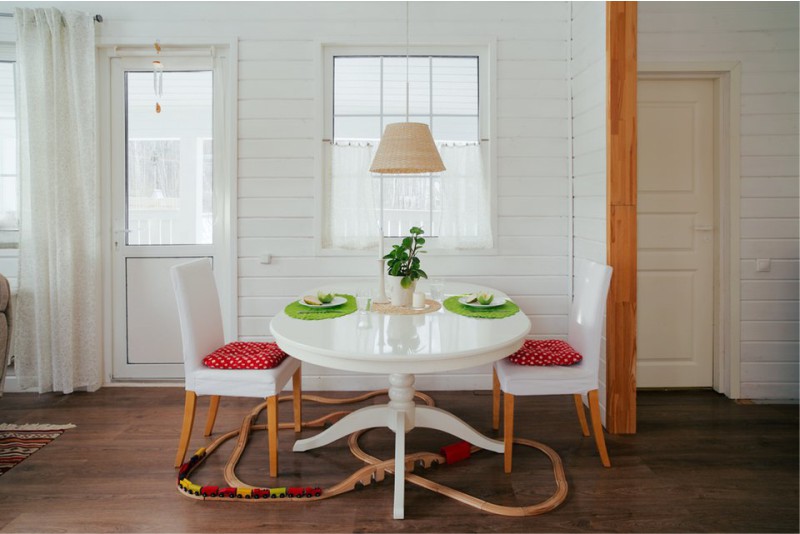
{"points": [[337, 301], [498, 301]]}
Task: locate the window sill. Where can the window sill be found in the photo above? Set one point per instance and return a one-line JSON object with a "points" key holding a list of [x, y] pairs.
{"points": [[431, 250]]}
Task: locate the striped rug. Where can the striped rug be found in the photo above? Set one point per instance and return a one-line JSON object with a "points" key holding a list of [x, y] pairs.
{"points": [[17, 442]]}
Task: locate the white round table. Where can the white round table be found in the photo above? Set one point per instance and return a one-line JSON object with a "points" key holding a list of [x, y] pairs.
{"points": [[401, 346]]}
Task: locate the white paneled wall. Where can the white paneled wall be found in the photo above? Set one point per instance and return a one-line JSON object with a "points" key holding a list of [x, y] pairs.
{"points": [[588, 88], [588, 74], [278, 159], [763, 36], [538, 64]]}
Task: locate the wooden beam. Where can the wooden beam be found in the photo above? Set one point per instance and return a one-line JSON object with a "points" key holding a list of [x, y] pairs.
{"points": [[621, 212]]}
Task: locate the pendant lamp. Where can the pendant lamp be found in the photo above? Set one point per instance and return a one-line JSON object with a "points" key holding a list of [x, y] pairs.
{"points": [[407, 147]]}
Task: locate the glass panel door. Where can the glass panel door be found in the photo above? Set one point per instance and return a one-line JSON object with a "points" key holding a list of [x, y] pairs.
{"points": [[167, 187]]}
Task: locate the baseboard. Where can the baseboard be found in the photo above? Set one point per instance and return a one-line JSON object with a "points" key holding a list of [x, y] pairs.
{"points": [[357, 382]]}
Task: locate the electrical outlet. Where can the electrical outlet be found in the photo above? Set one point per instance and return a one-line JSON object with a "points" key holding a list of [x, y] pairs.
{"points": [[763, 266], [266, 258]]}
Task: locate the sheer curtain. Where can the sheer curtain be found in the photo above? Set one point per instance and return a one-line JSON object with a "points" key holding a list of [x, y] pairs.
{"points": [[58, 323], [466, 203], [352, 197], [352, 194]]}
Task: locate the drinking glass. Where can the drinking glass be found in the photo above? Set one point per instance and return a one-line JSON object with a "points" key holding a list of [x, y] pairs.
{"points": [[437, 289], [364, 300]]}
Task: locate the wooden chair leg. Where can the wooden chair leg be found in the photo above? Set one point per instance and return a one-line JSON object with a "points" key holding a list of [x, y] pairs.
{"points": [[213, 406], [508, 429], [597, 427], [297, 399], [272, 434], [581, 413], [189, 404], [495, 400]]}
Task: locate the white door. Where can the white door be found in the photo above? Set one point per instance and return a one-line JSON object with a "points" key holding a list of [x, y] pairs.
{"points": [[675, 233], [166, 201]]}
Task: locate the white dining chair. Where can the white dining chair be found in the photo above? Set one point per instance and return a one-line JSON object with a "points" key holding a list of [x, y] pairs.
{"points": [[584, 335], [202, 334]]}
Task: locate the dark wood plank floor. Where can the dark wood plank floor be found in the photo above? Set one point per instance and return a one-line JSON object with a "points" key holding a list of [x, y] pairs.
{"points": [[699, 463]]}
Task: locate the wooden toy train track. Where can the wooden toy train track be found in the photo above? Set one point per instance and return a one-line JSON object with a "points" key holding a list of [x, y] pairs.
{"points": [[374, 470]]}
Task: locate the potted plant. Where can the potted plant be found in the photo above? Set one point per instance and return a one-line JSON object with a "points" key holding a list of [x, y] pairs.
{"points": [[403, 267]]}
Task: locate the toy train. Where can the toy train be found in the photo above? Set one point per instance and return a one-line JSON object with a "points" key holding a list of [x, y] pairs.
{"points": [[236, 493]]}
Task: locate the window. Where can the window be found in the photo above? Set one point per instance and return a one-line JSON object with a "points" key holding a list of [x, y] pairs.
{"points": [[9, 192], [370, 92], [169, 159], [364, 92]]}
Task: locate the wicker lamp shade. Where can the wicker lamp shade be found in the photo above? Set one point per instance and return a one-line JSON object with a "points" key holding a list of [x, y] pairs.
{"points": [[407, 148]]}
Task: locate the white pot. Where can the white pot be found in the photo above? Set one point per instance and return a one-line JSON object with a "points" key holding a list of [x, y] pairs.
{"points": [[399, 295]]}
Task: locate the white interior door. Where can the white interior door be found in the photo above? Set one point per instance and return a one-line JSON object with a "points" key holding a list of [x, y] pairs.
{"points": [[675, 233], [167, 203]]}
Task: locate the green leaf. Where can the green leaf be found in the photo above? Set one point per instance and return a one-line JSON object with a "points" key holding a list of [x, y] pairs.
{"points": [[407, 242], [422, 273], [420, 240]]}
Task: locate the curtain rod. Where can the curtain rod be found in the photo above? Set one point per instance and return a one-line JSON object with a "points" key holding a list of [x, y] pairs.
{"points": [[97, 18]]}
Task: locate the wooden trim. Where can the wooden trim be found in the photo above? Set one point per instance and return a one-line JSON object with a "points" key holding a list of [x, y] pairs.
{"points": [[621, 74]]}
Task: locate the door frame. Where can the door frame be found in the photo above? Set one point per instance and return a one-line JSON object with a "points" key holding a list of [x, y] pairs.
{"points": [[726, 77], [227, 265]]}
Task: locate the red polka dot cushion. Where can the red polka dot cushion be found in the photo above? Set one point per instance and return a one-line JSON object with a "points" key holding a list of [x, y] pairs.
{"points": [[245, 355], [545, 352]]}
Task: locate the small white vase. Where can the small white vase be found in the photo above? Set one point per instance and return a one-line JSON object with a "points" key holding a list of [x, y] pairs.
{"points": [[399, 295]]}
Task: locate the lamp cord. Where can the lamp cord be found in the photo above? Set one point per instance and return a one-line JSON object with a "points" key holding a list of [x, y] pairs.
{"points": [[408, 82]]}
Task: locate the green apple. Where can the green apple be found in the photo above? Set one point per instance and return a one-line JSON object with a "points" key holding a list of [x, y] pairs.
{"points": [[485, 298], [324, 297]]}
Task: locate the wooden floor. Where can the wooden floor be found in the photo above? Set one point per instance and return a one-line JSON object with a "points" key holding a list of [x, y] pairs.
{"points": [[700, 463]]}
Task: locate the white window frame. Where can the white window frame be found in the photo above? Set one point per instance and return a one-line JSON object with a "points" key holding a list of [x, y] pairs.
{"points": [[10, 238], [486, 109]]}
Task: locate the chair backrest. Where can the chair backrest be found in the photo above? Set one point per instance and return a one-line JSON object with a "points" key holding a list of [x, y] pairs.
{"points": [[587, 314], [199, 312]]}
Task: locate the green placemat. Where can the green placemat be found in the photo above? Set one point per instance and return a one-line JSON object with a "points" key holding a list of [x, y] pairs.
{"points": [[506, 310], [298, 311]]}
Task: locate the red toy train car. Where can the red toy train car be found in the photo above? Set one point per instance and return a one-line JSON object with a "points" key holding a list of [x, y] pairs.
{"points": [[255, 493]]}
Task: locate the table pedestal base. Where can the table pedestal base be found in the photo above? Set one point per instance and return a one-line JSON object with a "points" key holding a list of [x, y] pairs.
{"points": [[401, 415]]}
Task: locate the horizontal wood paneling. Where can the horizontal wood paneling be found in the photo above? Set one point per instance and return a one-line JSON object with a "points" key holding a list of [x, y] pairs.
{"points": [[532, 267], [770, 310], [763, 36]]}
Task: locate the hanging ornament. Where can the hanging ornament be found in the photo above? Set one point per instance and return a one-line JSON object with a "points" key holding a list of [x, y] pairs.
{"points": [[158, 77]]}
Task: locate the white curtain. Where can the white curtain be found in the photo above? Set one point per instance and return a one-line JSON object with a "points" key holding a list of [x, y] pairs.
{"points": [[466, 203], [352, 194], [352, 197], [58, 324]]}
